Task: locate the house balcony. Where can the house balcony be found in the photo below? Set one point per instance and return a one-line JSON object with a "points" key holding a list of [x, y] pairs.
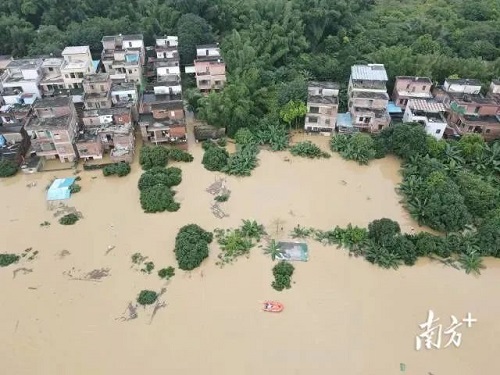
{"points": [[202, 73]]}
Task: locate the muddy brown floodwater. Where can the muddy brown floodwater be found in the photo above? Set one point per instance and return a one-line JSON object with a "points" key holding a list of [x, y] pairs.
{"points": [[342, 315]]}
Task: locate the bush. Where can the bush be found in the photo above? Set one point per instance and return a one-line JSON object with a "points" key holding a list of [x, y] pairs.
{"points": [[120, 169], [282, 272], [205, 145], [94, 167], [147, 297], [69, 219], [167, 177], [359, 147], [75, 188], [8, 259], [215, 158], [158, 198], [244, 137], [166, 273], [222, 142], [222, 198], [382, 230], [308, 149], [243, 161], [153, 156], [191, 246], [7, 168], [175, 154]]}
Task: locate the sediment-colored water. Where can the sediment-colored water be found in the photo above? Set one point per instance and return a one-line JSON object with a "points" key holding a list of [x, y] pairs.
{"points": [[342, 315]]}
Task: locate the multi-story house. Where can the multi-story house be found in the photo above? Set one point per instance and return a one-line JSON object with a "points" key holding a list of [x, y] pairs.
{"points": [[322, 107], [19, 84], [428, 113], [97, 88], [168, 84], [162, 119], [166, 47], [77, 63], [107, 130], [52, 128], [14, 140], [123, 57], [52, 78], [209, 67], [368, 98], [468, 111], [409, 87]]}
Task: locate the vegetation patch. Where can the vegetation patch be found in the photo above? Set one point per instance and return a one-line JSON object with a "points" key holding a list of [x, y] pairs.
{"points": [[308, 149], [8, 259], [214, 158], [272, 133], [243, 161], [224, 197], [7, 168], [69, 219], [191, 246], [45, 224], [155, 187], [166, 273], [147, 297], [175, 154], [148, 267], [75, 188], [234, 243], [282, 272], [118, 169], [158, 156], [359, 147]]}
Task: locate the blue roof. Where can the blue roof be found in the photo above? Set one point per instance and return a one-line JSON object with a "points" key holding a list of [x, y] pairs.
{"points": [[393, 108], [344, 119], [60, 189]]}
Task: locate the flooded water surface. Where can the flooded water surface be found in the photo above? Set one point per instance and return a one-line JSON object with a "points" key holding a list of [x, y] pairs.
{"points": [[66, 311]]}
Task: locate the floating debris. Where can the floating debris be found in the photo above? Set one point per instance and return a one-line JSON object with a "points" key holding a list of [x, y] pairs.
{"points": [[23, 270]]}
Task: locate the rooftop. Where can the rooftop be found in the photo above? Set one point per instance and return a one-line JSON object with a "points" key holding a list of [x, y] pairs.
{"points": [[426, 106], [123, 37], [74, 65], [166, 123], [58, 101], [96, 77], [61, 122], [370, 72], [153, 98], [324, 85], [207, 46], [25, 64], [320, 99], [165, 37], [51, 62], [344, 120], [393, 108], [123, 86], [169, 79], [492, 119], [76, 50], [415, 79], [496, 81], [211, 59], [471, 98], [106, 111], [174, 104], [463, 81], [166, 63], [370, 95]]}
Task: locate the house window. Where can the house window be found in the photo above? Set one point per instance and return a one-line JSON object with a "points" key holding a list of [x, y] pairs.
{"points": [[367, 120], [423, 88], [487, 130], [66, 75], [470, 128], [56, 136], [438, 131], [413, 89], [130, 71], [401, 101], [327, 121], [380, 127], [129, 96], [476, 110], [103, 88], [92, 87], [312, 119], [408, 86], [130, 44], [206, 52], [51, 69], [314, 109], [72, 75]]}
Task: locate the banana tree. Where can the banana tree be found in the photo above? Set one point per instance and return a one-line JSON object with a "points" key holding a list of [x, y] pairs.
{"points": [[273, 249]]}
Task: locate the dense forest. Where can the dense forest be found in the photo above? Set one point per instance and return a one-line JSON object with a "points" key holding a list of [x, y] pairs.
{"points": [[272, 47]]}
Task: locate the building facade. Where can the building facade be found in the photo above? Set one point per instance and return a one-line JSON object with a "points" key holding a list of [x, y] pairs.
{"points": [[322, 107], [123, 57], [429, 114], [19, 84], [97, 91], [209, 67], [409, 87]]}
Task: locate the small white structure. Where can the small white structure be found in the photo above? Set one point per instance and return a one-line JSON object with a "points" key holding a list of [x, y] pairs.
{"points": [[428, 113], [462, 86]]}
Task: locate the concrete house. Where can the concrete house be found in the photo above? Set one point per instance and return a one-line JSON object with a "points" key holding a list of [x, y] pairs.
{"points": [[166, 47], [162, 119], [368, 98], [123, 57], [52, 80], [19, 84], [77, 63], [209, 67], [468, 111], [430, 114], [14, 140], [322, 107], [97, 88], [409, 87], [107, 130], [52, 128], [4, 61]]}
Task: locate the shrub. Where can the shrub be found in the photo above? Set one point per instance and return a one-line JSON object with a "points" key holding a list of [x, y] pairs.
{"points": [[215, 158], [8, 259], [222, 198], [308, 149], [244, 136], [148, 267], [153, 156], [282, 272], [75, 188], [383, 230], [7, 168], [166, 273], [167, 177], [243, 161], [191, 246], [205, 145], [233, 243], [158, 198], [147, 297], [175, 154], [222, 142], [358, 147], [94, 167], [120, 169], [69, 219]]}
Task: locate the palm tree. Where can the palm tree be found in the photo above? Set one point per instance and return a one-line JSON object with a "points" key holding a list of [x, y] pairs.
{"points": [[273, 249], [471, 262], [300, 232], [417, 208], [453, 153], [252, 229]]}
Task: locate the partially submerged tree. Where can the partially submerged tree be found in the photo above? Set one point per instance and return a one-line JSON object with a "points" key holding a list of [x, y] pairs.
{"points": [[191, 246], [147, 297], [7, 168]]}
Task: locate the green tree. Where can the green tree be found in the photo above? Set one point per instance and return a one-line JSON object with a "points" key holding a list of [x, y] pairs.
{"points": [[215, 158], [192, 30], [153, 156], [166, 177], [382, 230], [273, 249], [243, 136], [158, 198], [7, 168], [191, 246], [147, 297], [293, 112]]}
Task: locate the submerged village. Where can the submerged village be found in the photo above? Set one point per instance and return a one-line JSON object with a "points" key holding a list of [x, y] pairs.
{"points": [[123, 123]]}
